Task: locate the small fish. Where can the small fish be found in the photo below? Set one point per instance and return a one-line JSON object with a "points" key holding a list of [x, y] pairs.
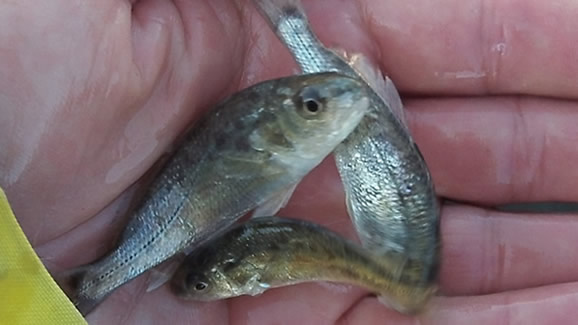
{"points": [[389, 191], [253, 147], [271, 252]]}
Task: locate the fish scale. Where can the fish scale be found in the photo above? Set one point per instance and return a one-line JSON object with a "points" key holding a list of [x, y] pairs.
{"points": [[389, 191], [268, 252], [226, 166]]}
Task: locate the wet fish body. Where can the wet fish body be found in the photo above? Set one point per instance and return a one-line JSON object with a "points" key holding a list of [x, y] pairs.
{"points": [[254, 145], [272, 252], [389, 191]]}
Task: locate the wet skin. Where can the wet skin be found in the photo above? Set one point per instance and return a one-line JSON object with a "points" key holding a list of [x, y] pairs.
{"points": [[92, 96]]}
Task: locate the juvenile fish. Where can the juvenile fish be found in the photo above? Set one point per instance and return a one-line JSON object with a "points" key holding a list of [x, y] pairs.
{"points": [[271, 252], [254, 146], [389, 192]]}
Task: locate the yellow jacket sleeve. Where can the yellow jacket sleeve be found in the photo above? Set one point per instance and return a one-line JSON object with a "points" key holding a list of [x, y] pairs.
{"points": [[28, 294]]}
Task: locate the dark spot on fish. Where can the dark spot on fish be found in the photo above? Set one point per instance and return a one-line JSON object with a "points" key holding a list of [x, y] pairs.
{"points": [[201, 123], [406, 189], [301, 246], [253, 97], [202, 256], [292, 11], [275, 246], [433, 274], [268, 118], [73, 283], [238, 124], [229, 265], [277, 138], [242, 144], [220, 141]]}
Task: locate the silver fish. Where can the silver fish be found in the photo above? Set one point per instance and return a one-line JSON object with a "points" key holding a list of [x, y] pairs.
{"points": [[390, 193], [271, 252], [252, 147]]}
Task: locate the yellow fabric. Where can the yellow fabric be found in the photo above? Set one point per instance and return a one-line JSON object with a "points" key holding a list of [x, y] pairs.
{"points": [[28, 294]]}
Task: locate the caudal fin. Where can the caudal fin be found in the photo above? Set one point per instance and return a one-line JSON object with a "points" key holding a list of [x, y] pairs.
{"points": [[70, 283], [276, 10]]}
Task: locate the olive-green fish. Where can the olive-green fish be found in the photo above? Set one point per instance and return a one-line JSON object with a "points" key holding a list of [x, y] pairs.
{"points": [[253, 147], [389, 192], [271, 252]]}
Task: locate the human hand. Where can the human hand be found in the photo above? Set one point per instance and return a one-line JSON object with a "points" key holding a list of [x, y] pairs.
{"points": [[93, 94]]}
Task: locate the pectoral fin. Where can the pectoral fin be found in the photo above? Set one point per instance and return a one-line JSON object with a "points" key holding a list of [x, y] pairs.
{"points": [[383, 86], [275, 203]]}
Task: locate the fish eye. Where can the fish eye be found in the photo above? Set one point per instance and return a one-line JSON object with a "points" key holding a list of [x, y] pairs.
{"points": [[309, 102], [312, 106], [200, 286], [196, 281]]}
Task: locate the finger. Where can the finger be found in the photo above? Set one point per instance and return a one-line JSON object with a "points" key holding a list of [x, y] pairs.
{"points": [[478, 245], [89, 240], [320, 198], [307, 303], [77, 99], [546, 305], [487, 251], [133, 85], [132, 305], [498, 149], [483, 251], [460, 47]]}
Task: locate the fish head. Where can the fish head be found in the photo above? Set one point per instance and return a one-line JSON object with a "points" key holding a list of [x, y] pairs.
{"points": [[201, 286], [316, 112], [201, 276], [326, 107]]}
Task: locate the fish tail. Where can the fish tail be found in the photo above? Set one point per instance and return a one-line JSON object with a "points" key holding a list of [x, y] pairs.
{"points": [[70, 283], [277, 10], [85, 305], [289, 22], [433, 270]]}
